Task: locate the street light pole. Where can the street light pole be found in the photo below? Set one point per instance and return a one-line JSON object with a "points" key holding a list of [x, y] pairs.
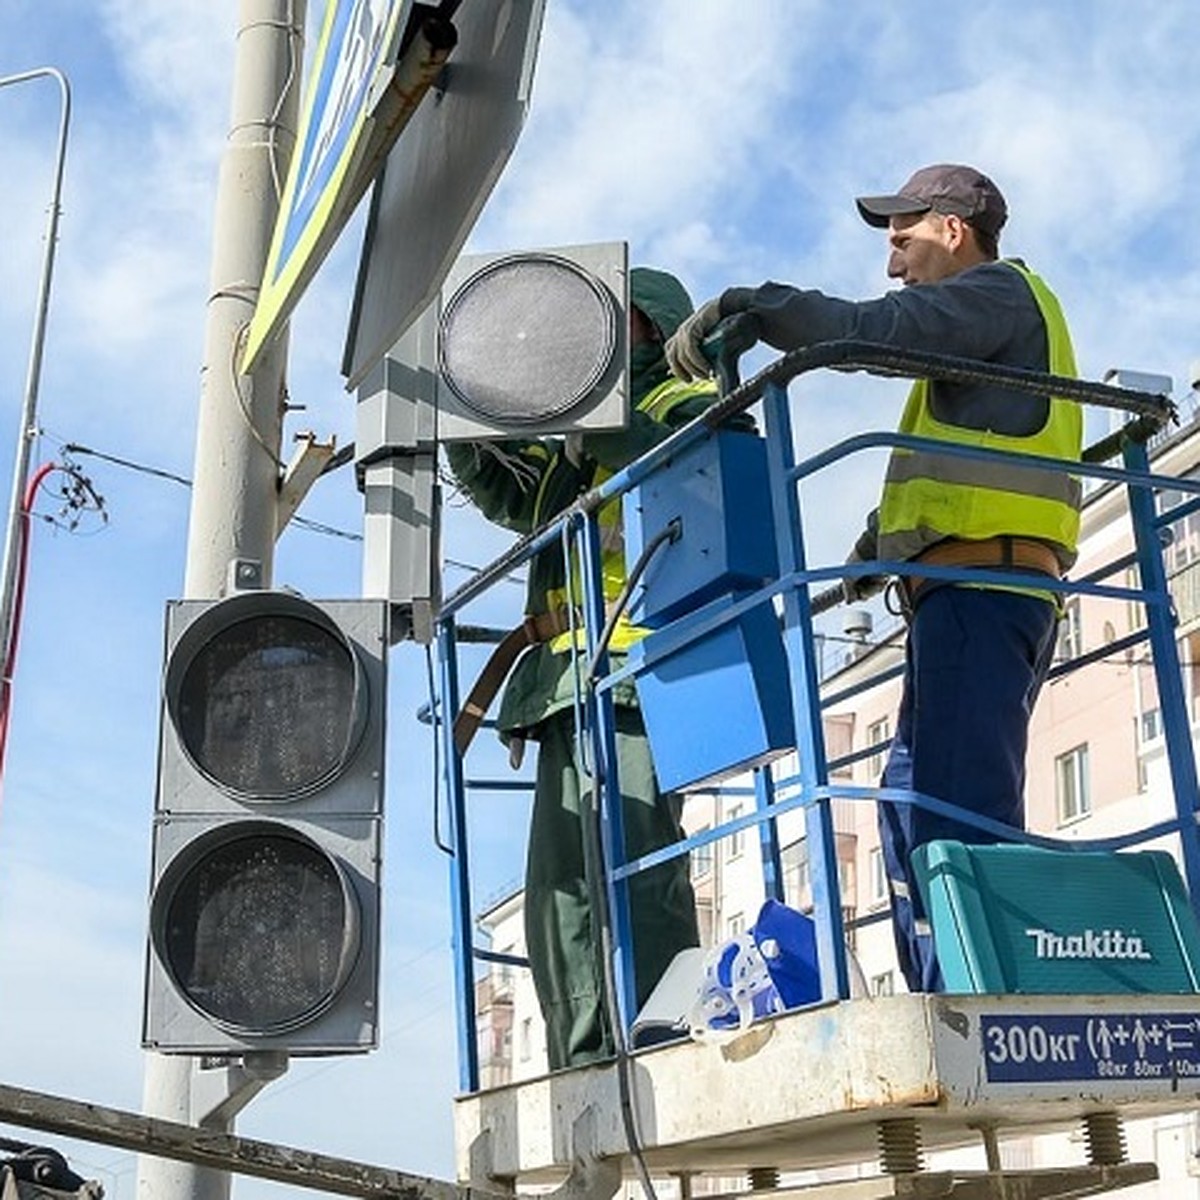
{"points": [[16, 528], [234, 494]]}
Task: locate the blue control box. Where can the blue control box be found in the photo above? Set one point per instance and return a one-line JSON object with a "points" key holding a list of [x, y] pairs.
{"points": [[718, 493], [715, 697]]}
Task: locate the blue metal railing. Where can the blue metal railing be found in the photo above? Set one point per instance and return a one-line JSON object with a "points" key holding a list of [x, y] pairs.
{"points": [[810, 789]]}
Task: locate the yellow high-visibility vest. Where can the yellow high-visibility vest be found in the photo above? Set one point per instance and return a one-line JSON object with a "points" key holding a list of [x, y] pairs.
{"points": [[930, 496]]}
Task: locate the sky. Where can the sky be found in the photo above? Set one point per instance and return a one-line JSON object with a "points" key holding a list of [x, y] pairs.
{"points": [[723, 142]]}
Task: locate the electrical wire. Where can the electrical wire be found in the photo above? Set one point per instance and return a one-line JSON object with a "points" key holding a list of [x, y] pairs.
{"points": [[671, 533], [436, 718], [235, 378], [75, 448], [594, 871], [296, 34]]}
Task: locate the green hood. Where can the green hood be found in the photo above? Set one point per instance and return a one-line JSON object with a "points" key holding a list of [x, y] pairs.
{"points": [[661, 297], [665, 301]]}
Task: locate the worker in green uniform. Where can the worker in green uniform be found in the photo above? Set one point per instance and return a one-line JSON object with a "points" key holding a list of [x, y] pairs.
{"points": [[522, 484]]}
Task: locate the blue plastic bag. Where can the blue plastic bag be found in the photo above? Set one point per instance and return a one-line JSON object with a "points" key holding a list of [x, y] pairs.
{"points": [[787, 940], [767, 969]]}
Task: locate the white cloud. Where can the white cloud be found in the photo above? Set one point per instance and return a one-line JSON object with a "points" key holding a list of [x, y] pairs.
{"points": [[633, 137], [169, 59]]}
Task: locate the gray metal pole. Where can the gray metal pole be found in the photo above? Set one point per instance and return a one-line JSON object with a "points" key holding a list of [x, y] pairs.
{"points": [[238, 434], [28, 430], [233, 514]]}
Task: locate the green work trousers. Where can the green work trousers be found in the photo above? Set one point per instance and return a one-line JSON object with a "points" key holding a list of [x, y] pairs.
{"points": [[561, 933]]}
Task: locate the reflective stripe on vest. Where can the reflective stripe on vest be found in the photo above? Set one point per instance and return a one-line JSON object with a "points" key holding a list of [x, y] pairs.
{"points": [[658, 404], [929, 496]]}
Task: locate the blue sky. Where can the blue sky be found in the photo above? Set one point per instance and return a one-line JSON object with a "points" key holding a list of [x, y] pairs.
{"points": [[724, 142]]}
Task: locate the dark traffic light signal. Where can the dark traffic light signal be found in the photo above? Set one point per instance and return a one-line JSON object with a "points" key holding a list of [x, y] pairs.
{"points": [[264, 907]]}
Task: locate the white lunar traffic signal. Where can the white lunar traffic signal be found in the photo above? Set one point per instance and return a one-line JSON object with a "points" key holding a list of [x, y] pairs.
{"points": [[534, 343], [264, 906]]}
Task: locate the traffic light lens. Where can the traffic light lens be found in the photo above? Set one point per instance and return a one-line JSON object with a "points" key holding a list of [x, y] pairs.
{"points": [[259, 932], [527, 338], [268, 707]]}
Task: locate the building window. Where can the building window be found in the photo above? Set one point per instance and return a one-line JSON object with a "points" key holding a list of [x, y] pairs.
{"points": [[839, 744], [1150, 725], [702, 858], [504, 972], [1189, 655], [794, 859], [1184, 548], [1070, 632], [879, 733], [797, 873], [735, 842], [735, 925], [526, 1042], [1149, 707], [1071, 784], [883, 985], [878, 874], [1135, 610]]}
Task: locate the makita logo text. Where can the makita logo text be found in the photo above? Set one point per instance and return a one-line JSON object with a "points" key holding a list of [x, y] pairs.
{"points": [[1105, 943]]}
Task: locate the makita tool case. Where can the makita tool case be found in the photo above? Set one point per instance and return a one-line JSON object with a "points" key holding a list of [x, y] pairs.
{"points": [[1022, 919]]}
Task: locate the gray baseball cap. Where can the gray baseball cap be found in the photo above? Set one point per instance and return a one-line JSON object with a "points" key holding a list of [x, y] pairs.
{"points": [[944, 188]]}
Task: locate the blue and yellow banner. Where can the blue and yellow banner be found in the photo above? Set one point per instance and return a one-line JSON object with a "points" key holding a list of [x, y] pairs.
{"points": [[320, 190]]}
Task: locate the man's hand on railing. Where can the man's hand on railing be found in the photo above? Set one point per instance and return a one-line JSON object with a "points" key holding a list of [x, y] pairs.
{"points": [[857, 588]]}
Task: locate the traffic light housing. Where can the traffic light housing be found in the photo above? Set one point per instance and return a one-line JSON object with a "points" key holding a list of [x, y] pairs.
{"points": [[264, 904], [534, 343]]}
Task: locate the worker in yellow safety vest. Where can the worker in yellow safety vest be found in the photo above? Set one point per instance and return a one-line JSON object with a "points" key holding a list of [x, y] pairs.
{"points": [[976, 655]]}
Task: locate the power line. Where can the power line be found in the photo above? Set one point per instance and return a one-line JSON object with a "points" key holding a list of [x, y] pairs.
{"points": [[303, 522], [75, 448]]}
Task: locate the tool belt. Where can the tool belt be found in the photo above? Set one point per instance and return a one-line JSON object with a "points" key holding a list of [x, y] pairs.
{"points": [[533, 630], [1021, 554]]}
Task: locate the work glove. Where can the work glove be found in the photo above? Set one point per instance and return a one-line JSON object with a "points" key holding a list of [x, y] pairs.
{"points": [[858, 588], [684, 352]]}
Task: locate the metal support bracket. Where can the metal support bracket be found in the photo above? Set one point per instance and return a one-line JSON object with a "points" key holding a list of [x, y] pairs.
{"points": [[307, 463], [1054, 1183], [218, 1095], [590, 1177]]}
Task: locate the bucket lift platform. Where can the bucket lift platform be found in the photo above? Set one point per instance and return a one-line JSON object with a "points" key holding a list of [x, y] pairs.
{"points": [[822, 1090], [849, 1082]]}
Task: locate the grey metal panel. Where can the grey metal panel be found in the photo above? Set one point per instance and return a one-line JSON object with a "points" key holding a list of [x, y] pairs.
{"points": [[807, 1089], [397, 397], [401, 535], [440, 173]]}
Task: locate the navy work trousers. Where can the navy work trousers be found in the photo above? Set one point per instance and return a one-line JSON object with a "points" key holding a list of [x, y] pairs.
{"points": [[974, 664]]}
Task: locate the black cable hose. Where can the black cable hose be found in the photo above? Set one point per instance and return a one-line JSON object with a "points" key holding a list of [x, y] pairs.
{"points": [[671, 533], [593, 860]]}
